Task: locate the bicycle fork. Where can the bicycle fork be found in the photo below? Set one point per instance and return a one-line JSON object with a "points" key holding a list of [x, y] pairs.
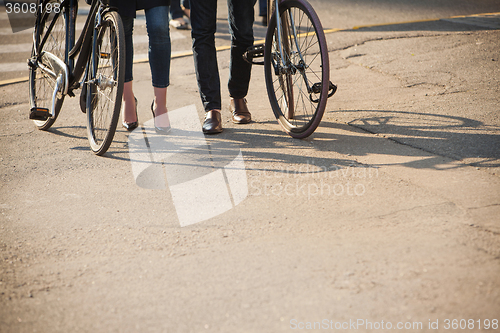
{"points": [[287, 67], [90, 77], [101, 81]]}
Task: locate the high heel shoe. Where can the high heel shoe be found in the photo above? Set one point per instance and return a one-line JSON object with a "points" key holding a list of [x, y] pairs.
{"points": [[159, 130], [132, 126]]}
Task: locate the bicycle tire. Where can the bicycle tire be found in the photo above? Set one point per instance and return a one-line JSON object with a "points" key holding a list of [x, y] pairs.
{"points": [[41, 85], [298, 91], [105, 85]]}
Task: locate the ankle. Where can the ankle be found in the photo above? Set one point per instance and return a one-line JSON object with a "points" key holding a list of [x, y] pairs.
{"points": [[158, 110]]}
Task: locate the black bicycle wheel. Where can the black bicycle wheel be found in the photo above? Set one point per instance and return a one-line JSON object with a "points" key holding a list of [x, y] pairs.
{"points": [[41, 84], [105, 85], [297, 82]]}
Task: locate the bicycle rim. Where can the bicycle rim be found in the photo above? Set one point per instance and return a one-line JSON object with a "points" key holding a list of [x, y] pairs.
{"points": [[296, 91], [105, 88], [41, 85]]}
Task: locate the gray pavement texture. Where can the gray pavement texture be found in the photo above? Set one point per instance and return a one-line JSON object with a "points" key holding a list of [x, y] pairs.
{"points": [[388, 213]]}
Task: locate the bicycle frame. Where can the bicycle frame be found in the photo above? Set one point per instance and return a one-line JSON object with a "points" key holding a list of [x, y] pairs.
{"points": [[278, 28]]}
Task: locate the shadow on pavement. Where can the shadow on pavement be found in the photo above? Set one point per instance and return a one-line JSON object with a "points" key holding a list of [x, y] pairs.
{"points": [[450, 136], [61, 131], [470, 23], [271, 147]]}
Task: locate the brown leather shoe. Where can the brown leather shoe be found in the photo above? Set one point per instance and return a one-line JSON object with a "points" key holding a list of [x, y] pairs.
{"points": [[213, 122], [240, 112]]}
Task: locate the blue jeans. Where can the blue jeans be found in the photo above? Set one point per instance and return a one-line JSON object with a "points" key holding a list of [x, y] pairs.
{"points": [[203, 24], [159, 45]]}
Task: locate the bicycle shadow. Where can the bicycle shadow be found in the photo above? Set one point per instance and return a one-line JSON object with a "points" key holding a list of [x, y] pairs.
{"points": [[458, 138], [64, 131], [187, 153], [454, 137], [471, 141]]}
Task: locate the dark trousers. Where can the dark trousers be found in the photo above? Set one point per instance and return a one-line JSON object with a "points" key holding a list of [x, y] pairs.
{"points": [[176, 10], [263, 8], [204, 24]]}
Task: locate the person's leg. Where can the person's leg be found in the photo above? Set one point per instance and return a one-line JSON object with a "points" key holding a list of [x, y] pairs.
{"points": [[129, 108], [159, 109], [263, 11], [129, 115], [159, 59], [203, 25], [241, 17], [177, 15], [187, 8], [175, 9], [262, 7]]}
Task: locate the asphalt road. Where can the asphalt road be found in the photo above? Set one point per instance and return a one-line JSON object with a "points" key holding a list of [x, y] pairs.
{"points": [[347, 14], [385, 219]]}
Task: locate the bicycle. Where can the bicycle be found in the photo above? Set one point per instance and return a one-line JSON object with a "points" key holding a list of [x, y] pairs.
{"points": [[296, 66], [60, 64]]}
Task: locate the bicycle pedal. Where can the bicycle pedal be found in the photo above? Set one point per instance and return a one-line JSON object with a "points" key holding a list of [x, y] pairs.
{"points": [[105, 55], [316, 89], [39, 114], [253, 52], [83, 99], [32, 63], [332, 89]]}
